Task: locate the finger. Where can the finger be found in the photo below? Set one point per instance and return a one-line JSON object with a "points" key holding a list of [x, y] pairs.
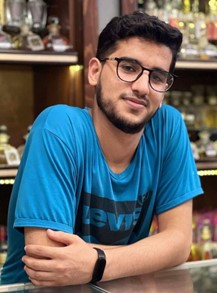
{"points": [[41, 278], [41, 251], [44, 283], [61, 237], [39, 275], [38, 264]]}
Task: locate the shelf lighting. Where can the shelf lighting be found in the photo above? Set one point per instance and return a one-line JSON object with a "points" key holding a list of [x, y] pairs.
{"points": [[207, 172], [210, 172], [7, 181], [75, 68]]}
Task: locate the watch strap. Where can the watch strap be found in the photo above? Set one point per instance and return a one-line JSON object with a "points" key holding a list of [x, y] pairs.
{"points": [[99, 266]]}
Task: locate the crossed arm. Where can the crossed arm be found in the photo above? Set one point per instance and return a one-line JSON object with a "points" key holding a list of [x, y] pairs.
{"points": [[60, 259]]}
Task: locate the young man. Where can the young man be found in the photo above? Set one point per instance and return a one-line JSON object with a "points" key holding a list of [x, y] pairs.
{"points": [[94, 178]]}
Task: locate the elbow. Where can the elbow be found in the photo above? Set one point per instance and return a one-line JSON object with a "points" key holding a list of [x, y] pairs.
{"points": [[184, 250]]}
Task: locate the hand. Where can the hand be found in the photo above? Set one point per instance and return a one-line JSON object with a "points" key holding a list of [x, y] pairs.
{"points": [[60, 266]]}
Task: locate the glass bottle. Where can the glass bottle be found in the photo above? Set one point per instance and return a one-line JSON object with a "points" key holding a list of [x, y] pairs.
{"points": [[21, 40], [189, 116], [20, 148], [55, 41], [211, 109], [140, 5], [3, 244], [8, 154], [195, 253], [186, 6], [27, 40], [206, 147], [206, 240], [211, 11], [198, 104]]}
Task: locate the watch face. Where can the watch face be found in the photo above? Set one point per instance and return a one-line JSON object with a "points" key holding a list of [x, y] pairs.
{"points": [[35, 43]]}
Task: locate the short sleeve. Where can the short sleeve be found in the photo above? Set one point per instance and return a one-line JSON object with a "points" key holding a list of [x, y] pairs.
{"points": [[46, 180], [178, 179]]}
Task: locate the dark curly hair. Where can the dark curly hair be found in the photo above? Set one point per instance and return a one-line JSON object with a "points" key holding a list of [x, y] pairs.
{"points": [[142, 25]]}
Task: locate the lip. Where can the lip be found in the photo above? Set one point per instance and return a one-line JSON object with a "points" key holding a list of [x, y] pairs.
{"points": [[136, 103]]}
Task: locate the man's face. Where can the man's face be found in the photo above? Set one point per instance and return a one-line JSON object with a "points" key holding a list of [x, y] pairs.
{"points": [[128, 106]]}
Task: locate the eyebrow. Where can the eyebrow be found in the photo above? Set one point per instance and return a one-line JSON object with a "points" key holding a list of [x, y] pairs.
{"points": [[137, 61]]}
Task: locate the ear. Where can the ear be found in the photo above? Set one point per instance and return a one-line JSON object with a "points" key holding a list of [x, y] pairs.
{"points": [[94, 71]]}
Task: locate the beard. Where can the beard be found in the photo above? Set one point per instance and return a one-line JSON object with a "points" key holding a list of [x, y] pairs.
{"points": [[114, 117]]}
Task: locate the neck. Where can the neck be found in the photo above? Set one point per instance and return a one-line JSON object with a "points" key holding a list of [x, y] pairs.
{"points": [[118, 147]]}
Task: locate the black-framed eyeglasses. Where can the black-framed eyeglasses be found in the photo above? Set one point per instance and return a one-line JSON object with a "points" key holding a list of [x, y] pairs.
{"points": [[130, 70]]}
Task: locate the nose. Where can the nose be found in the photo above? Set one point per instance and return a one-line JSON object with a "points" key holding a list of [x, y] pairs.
{"points": [[142, 84]]}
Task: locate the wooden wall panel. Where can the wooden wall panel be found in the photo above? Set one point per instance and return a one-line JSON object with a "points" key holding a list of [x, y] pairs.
{"points": [[16, 101], [56, 88], [90, 23], [128, 6]]}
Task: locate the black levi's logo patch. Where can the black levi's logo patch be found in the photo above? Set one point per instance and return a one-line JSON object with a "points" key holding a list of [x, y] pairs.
{"points": [[110, 221]]}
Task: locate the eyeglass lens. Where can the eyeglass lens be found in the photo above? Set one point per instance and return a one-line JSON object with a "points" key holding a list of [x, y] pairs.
{"points": [[131, 70]]}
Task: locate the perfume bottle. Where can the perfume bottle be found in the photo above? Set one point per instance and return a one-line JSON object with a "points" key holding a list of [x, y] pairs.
{"points": [[55, 40], [3, 244], [27, 40], [8, 154], [211, 108], [20, 148], [205, 145], [20, 41], [195, 253], [206, 240]]}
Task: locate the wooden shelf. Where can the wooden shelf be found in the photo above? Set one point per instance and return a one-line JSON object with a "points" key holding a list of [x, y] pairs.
{"points": [[45, 57], [207, 165], [8, 173], [71, 57], [197, 64]]}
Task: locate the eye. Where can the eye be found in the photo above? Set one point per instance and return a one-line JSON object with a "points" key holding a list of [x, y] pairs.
{"points": [[129, 67], [158, 76]]}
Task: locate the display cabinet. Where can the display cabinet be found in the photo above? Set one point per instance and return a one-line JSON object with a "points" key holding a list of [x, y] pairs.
{"points": [[201, 74], [191, 73], [31, 81]]}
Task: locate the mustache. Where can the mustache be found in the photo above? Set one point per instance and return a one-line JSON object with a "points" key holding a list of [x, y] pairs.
{"points": [[136, 97]]}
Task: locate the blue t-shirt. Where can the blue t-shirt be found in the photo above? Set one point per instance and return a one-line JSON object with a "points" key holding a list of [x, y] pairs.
{"points": [[64, 182]]}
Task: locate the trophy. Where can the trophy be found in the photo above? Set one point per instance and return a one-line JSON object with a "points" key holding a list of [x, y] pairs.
{"points": [[37, 14], [15, 13]]}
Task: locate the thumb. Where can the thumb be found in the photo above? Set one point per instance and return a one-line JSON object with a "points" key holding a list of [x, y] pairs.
{"points": [[61, 237]]}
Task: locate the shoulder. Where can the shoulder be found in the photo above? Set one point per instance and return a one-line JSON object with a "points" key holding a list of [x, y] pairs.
{"points": [[60, 112], [166, 127], [62, 122], [168, 112], [59, 117], [167, 117]]}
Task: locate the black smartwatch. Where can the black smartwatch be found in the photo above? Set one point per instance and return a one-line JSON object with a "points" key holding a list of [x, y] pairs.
{"points": [[99, 266]]}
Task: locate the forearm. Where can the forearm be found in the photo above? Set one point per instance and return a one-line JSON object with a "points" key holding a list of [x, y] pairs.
{"points": [[163, 250], [168, 248]]}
